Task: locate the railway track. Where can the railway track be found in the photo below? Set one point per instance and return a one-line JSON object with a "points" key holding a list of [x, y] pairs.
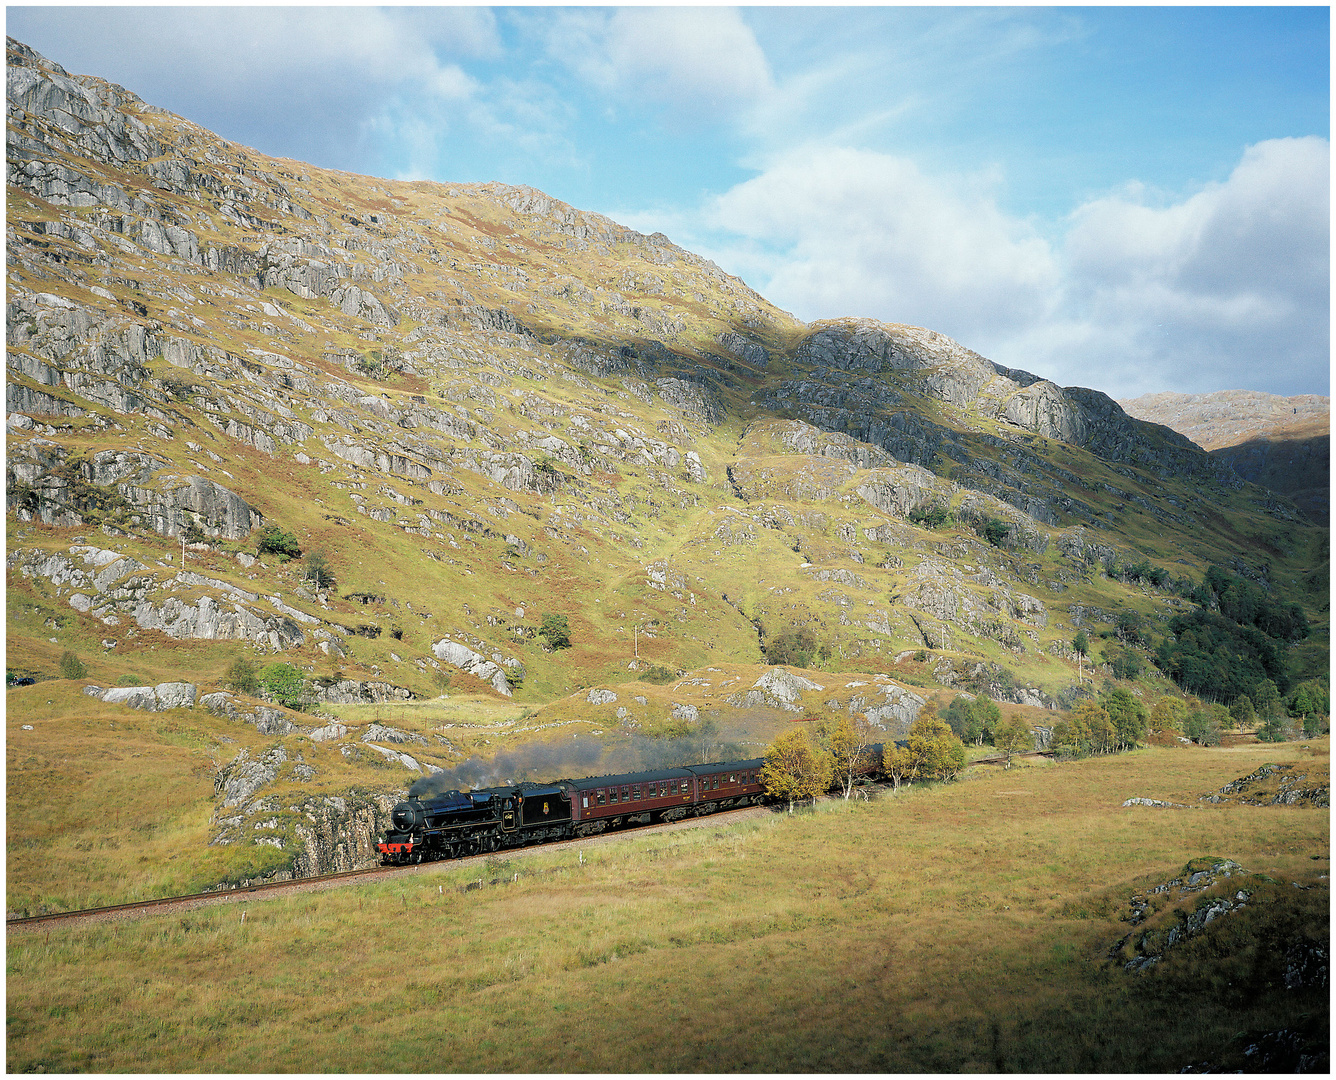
{"points": [[276, 889]]}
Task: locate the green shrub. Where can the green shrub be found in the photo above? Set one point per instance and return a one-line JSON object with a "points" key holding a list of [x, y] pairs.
{"points": [[71, 667], [931, 517], [273, 540], [283, 684], [658, 675], [241, 676], [1203, 728], [996, 531], [318, 571], [797, 647], [556, 631]]}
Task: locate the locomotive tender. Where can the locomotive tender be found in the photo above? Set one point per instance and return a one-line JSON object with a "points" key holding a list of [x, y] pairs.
{"points": [[453, 824]]}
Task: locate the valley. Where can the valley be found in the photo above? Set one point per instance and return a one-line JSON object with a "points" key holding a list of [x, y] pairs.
{"points": [[318, 484]]}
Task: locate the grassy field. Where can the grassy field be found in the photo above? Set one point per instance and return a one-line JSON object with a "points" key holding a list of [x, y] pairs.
{"points": [[962, 928]]}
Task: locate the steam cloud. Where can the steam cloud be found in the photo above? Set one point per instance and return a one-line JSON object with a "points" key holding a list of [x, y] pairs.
{"points": [[545, 762], [539, 761]]}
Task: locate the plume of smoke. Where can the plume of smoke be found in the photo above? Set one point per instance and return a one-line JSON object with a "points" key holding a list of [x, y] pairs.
{"points": [[646, 753], [548, 761], [541, 761]]}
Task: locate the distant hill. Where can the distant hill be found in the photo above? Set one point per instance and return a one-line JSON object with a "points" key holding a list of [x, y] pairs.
{"points": [[1281, 443]]}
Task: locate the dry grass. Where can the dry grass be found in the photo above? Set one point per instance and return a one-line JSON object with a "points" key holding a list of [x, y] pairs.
{"points": [[959, 929]]}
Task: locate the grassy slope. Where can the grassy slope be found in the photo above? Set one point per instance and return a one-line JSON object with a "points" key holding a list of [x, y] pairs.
{"points": [[959, 929], [591, 543]]}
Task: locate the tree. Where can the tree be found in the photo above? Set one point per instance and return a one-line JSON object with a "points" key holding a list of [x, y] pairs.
{"points": [[1086, 730], [274, 540], [1167, 715], [1242, 712], [71, 667], [795, 768], [556, 631], [1265, 697], [849, 751], [1012, 736], [1124, 663], [318, 571], [895, 763], [1128, 716], [283, 684], [241, 676], [1081, 644], [1278, 728], [796, 647], [934, 752], [1130, 627], [973, 721], [1311, 701], [996, 531], [1203, 726]]}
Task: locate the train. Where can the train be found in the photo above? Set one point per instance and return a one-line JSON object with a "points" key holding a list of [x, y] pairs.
{"points": [[452, 824]]}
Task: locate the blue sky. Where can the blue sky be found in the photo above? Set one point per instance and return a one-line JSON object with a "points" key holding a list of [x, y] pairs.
{"points": [[1134, 199]]}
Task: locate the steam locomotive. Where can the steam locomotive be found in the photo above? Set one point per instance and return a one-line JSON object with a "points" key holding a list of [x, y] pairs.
{"points": [[452, 824]]}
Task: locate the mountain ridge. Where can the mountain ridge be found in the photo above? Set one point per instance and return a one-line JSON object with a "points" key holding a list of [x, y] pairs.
{"points": [[1280, 443]]}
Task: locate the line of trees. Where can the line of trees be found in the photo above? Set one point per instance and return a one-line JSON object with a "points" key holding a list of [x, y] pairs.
{"points": [[808, 760], [1116, 722]]}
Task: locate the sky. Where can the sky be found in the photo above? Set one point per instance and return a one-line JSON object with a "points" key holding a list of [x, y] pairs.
{"points": [[1131, 199]]}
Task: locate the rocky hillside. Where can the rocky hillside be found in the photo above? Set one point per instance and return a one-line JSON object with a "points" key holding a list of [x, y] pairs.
{"points": [[1281, 443], [486, 411]]}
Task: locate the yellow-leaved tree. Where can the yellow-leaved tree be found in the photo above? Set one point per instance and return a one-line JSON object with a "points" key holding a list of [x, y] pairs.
{"points": [[850, 751], [795, 767], [1013, 736], [934, 751]]}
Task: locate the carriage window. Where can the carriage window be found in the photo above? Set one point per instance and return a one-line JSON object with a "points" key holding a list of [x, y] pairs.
{"points": [[612, 794], [625, 793], [686, 786], [600, 798], [586, 802], [635, 791], [715, 785], [732, 779]]}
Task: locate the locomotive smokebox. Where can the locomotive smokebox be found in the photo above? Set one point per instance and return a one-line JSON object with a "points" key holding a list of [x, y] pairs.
{"points": [[406, 816]]}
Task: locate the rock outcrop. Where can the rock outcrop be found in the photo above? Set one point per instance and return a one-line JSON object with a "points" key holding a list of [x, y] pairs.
{"points": [[160, 698]]}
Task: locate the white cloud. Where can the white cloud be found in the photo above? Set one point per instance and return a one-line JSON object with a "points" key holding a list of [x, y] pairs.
{"points": [[831, 232], [1227, 288], [703, 60]]}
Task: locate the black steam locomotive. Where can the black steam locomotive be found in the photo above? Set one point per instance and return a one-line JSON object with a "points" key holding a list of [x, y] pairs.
{"points": [[452, 824]]}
